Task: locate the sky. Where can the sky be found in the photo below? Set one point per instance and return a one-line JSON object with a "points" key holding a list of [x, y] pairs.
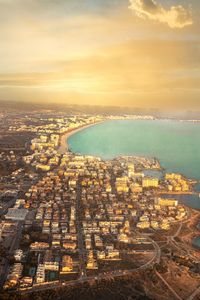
{"points": [[140, 53]]}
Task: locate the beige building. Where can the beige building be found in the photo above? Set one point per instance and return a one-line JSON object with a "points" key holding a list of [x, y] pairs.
{"points": [[149, 182], [67, 264]]}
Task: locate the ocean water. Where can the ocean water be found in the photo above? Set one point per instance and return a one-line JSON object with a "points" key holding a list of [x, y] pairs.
{"points": [[196, 242], [176, 144]]}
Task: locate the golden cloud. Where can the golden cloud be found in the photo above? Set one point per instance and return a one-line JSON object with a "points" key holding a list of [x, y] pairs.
{"points": [[175, 17]]}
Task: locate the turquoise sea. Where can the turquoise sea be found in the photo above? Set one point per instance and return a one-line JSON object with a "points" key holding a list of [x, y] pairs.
{"points": [[176, 144]]}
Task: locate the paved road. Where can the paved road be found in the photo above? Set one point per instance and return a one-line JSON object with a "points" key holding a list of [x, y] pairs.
{"points": [[13, 247], [181, 246], [105, 276], [82, 252], [15, 241], [4, 271], [84, 278], [81, 246], [168, 286], [156, 258], [194, 294]]}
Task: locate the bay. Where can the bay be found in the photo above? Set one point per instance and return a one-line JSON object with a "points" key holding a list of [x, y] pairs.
{"points": [[175, 143]]}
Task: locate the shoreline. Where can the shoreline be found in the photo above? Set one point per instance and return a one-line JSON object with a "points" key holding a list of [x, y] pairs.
{"points": [[192, 231], [63, 144]]}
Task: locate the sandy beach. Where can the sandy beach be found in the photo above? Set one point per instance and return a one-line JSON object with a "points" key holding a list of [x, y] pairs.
{"points": [[64, 147]]}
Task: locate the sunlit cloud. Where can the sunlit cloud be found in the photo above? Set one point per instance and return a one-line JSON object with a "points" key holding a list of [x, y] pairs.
{"points": [[175, 17]]}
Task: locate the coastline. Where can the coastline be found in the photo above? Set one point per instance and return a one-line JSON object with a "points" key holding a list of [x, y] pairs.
{"points": [[191, 231], [63, 144]]}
